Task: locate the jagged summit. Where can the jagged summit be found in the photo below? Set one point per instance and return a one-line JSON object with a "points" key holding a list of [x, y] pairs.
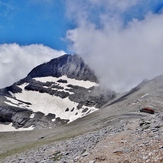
{"points": [[72, 66]]}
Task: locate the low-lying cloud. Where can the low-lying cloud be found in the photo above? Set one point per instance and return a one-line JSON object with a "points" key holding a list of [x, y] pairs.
{"points": [[122, 54], [16, 61]]}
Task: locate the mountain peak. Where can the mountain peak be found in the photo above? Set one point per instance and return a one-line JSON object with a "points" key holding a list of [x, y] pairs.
{"points": [[72, 66], [53, 93]]}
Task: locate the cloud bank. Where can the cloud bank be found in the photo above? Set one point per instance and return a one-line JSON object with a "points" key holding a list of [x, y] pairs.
{"points": [[16, 61], [122, 50]]}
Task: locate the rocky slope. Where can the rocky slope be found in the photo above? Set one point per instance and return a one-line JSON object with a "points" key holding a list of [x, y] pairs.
{"points": [[127, 141], [52, 94], [118, 132]]}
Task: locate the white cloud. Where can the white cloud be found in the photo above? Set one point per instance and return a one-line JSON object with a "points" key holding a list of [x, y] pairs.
{"points": [[16, 61], [88, 9], [122, 56], [120, 5]]}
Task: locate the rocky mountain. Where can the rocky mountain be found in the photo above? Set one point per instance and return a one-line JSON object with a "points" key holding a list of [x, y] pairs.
{"points": [[53, 93], [118, 132]]}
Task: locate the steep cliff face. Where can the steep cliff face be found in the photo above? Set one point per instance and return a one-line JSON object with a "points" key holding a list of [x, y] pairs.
{"points": [[52, 94], [70, 65]]}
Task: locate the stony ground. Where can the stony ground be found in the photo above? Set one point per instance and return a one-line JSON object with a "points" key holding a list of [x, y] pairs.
{"points": [[141, 140], [127, 141]]}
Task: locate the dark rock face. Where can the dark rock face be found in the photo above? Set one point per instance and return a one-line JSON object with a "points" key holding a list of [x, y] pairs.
{"points": [[38, 86], [20, 118], [71, 65], [5, 114], [13, 88], [90, 97]]}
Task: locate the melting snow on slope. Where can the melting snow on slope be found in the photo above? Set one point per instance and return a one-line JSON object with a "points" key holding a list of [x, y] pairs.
{"points": [[16, 103], [43, 102], [81, 83], [63, 108]]}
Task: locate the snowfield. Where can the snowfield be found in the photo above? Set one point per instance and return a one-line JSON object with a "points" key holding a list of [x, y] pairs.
{"points": [[80, 83], [51, 104], [46, 103]]}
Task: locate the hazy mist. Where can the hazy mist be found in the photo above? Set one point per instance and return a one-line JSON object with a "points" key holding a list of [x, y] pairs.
{"points": [[17, 61], [121, 53]]}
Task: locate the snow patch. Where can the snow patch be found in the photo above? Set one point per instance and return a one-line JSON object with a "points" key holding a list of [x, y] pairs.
{"points": [[9, 127], [11, 104], [12, 94], [46, 104], [32, 115], [16, 103], [12, 100], [145, 95], [23, 85], [81, 83]]}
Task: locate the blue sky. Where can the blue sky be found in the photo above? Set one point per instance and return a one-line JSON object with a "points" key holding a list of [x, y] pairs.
{"points": [[110, 35], [47, 21], [31, 22]]}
